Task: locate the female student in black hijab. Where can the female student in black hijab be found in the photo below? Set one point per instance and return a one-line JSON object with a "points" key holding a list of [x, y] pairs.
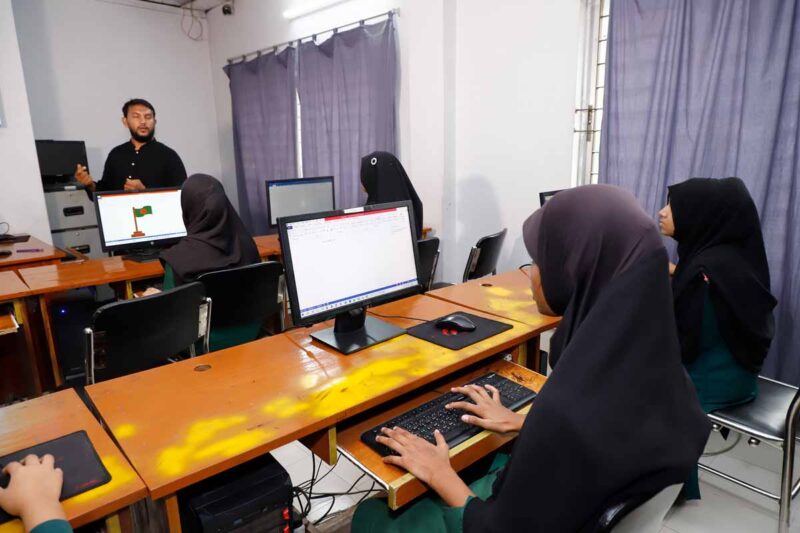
{"points": [[215, 239], [723, 304], [617, 417], [385, 180]]}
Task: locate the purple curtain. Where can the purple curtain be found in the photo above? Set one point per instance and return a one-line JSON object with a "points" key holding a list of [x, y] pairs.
{"points": [[264, 115], [347, 87], [712, 88]]}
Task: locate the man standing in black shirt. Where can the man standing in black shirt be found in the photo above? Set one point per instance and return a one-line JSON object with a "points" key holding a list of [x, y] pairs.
{"points": [[143, 162]]}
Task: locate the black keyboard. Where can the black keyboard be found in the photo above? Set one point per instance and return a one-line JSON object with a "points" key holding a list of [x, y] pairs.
{"points": [[423, 420]]}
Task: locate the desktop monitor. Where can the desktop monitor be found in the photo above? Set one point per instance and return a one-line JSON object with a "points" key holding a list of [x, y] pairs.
{"points": [[544, 196], [58, 159], [139, 221], [339, 262], [287, 198]]}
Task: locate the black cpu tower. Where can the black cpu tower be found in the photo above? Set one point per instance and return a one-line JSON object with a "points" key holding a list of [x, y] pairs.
{"points": [[70, 313], [254, 497]]}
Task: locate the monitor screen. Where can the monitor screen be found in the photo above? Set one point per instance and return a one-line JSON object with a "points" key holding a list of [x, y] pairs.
{"points": [[349, 258], [59, 158], [141, 219], [287, 198]]}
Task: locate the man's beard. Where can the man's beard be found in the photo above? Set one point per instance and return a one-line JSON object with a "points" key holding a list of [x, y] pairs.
{"points": [[143, 138]]}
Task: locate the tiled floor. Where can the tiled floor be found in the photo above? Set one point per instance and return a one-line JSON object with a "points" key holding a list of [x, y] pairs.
{"points": [[725, 508]]}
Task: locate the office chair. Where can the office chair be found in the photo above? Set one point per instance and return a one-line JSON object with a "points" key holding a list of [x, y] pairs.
{"points": [[546, 195], [772, 419], [428, 260], [134, 335], [243, 295], [482, 260], [638, 514]]}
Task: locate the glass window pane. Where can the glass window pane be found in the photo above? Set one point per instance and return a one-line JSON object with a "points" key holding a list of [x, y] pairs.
{"points": [[603, 28], [601, 76], [601, 52]]}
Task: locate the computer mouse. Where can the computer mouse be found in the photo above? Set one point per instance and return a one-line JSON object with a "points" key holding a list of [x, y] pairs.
{"points": [[456, 322]]}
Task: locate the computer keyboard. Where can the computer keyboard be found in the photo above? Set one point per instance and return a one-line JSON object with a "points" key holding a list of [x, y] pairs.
{"points": [[423, 420]]}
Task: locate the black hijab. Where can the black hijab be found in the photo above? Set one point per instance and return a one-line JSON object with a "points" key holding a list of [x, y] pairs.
{"points": [[719, 236], [216, 237], [385, 180], [618, 416]]}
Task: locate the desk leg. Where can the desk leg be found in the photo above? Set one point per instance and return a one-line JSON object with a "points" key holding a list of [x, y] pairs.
{"points": [[120, 522], [535, 359], [520, 355], [128, 290], [173, 513], [51, 345], [21, 312]]}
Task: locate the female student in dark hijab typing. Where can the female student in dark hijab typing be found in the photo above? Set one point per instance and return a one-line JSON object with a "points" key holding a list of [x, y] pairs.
{"points": [[721, 288], [385, 180], [617, 417]]}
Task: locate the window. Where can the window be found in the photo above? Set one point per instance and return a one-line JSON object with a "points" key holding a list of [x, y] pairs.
{"points": [[590, 92]]}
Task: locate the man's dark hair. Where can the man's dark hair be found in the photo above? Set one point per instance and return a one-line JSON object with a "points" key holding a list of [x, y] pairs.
{"points": [[137, 101]]}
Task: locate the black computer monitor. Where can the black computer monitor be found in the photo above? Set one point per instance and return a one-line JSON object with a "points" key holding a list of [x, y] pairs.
{"points": [[57, 159], [339, 262], [287, 198], [544, 196], [139, 222]]}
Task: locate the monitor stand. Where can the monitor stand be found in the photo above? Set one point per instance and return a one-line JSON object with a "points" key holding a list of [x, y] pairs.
{"points": [[354, 331], [142, 255]]}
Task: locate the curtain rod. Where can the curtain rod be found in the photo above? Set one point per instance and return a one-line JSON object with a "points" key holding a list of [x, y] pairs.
{"points": [[313, 36]]}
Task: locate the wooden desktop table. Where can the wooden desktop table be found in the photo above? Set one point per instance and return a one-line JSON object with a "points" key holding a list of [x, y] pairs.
{"points": [[48, 417], [45, 254], [44, 281], [507, 295], [181, 423]]}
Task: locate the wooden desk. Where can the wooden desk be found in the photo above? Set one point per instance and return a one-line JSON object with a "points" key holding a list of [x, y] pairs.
{"points": [[16, 260], [179, 425], [14, 290], [55, 415], [268, 246], [507, 295]]}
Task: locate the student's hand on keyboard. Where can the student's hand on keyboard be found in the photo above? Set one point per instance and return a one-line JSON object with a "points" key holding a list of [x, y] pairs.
{"points": [[486, 410], [427, 462], [424, 460]]}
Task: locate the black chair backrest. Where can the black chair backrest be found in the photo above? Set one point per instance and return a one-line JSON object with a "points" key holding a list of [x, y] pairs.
{"points": [[428, 259], [483, 257], [243, 295], [134, 335], [546, 195]]}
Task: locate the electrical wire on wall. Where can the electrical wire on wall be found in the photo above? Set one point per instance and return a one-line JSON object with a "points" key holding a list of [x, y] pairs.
{"points": [[195, 29]]}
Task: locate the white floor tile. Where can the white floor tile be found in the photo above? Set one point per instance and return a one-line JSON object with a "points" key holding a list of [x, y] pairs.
{"points": [[720, 511]]}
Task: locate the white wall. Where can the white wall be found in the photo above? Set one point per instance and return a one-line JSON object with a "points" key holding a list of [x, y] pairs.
{"points": [[516, 69], [84, 58], [21, 200], [487, 94]]}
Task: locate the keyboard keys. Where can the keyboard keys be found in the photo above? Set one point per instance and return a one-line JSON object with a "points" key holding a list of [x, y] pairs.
{"points": [[432, 415]]}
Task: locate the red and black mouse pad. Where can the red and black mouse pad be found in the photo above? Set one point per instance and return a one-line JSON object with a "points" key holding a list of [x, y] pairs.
{"points": [[74, 454], [455, 340]]}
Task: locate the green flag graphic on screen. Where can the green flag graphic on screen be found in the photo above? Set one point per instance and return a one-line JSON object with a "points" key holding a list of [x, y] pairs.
{"points": [[142, 211]]}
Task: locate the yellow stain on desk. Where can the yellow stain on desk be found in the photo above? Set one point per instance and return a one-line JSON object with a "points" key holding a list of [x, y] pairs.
{"points": [[123, 431], [203, 441], [121, 474], [392, 365], [501, 292]]}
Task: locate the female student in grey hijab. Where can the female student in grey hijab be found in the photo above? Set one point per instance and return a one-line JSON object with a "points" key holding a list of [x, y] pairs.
{"points": [[617, 417]]}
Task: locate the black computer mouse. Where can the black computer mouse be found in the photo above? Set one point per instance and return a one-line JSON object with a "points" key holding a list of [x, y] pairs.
{"points": [[456, 322]]}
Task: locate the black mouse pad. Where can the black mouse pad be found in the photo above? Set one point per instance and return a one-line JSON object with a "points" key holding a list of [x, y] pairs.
{"points": [[75, 455], [455, 340]]}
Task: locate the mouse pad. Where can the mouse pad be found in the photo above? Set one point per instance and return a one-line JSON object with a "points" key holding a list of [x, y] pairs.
{"points": [[455, 340], [75, 455]]}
